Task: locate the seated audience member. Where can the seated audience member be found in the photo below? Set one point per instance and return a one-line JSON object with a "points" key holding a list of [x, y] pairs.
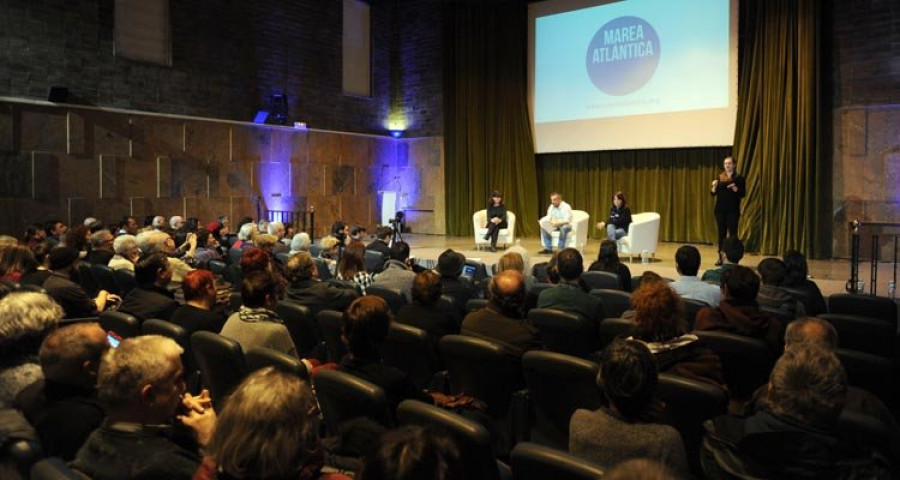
{"points": [[267, 242], [608, 261], [568, 295], [738, 311], [412, 453], [659, 322], [150, 298], [381, 243], [305, 288], [127, 253], [771, 272], [795, 437], [397, 272], [256, 259], [300, 243], [16, 262], [426, 312], [331, 253], [734, 252], [8, 241], [207, 249], [128, 225], [503, 321], [256, 324], [797, 276], [176, 223], [37, 273], [629, 427], [63, 407], [366, 324], [25, 319], [357, 233], [245, 235], [639, 469], [277, 230], [101, 247], [79, 238], [56, 232], [163, 242], [513, 260], [268, 430], [199, 311], [687, 263], [341, 231], [142, 386], [450, 266], [34, 235], [69, 295], [352, 266]]}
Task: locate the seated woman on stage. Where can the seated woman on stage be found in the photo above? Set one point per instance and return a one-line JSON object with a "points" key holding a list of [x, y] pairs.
{"points": [[608, 261], [619, 218], [496, 218]]}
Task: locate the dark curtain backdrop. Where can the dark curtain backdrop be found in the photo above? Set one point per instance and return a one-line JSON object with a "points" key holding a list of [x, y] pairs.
{"points": [[488, 142], [776, 143]]}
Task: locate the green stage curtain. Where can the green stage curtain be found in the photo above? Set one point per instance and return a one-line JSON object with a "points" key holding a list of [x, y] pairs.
{"points": [[487, 130]]}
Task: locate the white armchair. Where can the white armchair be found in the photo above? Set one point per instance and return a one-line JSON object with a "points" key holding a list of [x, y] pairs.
{"points": [[577, 238], [643, 234], [506, 237]]}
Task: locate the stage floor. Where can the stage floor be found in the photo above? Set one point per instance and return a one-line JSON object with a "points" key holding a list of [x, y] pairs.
{"points": [[830, 275]]}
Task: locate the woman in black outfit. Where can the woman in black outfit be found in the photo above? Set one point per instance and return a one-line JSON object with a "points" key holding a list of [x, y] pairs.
{"points": [[797, 278], [619, 218], [728, 190], [608, 261], [496, 215]]}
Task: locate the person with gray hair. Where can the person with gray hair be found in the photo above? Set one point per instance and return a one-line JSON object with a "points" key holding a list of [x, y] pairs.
{"points": [[157, 241], [176, 223], [159, 222], [277, 229], [245, 235], [142, 385], [63, 407], [25, 319], [127, 253], [300, 243], [101, 247]]}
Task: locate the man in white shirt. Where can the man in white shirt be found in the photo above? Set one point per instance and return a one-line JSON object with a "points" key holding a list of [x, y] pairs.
{"points": [[687, 262], [559, 218]]}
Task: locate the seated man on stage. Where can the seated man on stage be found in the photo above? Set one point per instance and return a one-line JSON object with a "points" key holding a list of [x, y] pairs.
{"points": [[559, 218]]}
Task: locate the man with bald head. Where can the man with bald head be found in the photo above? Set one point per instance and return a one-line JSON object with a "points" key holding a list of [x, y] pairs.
{"points": [[63, 407], [503, 320]]}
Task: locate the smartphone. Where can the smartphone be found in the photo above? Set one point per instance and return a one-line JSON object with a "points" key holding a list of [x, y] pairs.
{"points": [[113, 339], [469, 271]]}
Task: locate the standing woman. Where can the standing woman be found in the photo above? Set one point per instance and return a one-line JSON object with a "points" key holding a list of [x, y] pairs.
{"points": [[728, 190], [619, 218], [496, 215]]}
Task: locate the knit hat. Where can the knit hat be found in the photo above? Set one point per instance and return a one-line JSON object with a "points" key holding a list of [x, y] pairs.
{"points": [[62, 257], [450, 263]]}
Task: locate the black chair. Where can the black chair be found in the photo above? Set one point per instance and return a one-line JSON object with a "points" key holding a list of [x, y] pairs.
{"points": [[482, 369], [863, 334], [181, 337], [857, 428], [261, 357], [20, 446], [480, 270], [804, 297], [613, 328], [410, 349], [234, 256], [746, 362], [120, 323], [596, 280], [72, 321], [221, 363], [636, 282], [869, 372], [471, 438], [315, 250], [86, 279], [689, 403], [234, 301], [394, 298], [476, 304], [344, 397], [540, 287], [374, 261], [331, 323], [558, 385], [283, 257], [535, 462], [103, 277], [882, 308], [565, 332], [235, 276], [778, 314], [303, 329], [54, 468], [30, 287], [125, 281], [218, 267], [615, 302], [322, 268], [691, 307]]}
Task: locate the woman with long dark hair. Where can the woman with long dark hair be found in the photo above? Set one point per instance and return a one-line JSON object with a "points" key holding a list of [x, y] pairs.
{"points": [[608, 261], [352, 266], [797, 277], [619, 218], [496, 218], [729, 189]]}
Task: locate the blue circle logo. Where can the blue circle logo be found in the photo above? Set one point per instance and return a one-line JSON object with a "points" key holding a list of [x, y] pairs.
{"points": [[623, 55]]}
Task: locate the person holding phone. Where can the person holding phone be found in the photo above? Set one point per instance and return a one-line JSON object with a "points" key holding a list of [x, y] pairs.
{"points": [[728, 188]]}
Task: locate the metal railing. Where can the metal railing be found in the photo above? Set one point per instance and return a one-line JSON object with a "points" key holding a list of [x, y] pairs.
{"points": [[300, 220], [854, 285]]}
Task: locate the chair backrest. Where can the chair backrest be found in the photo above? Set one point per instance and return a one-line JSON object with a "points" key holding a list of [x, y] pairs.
{"points": [[303, 329], [643, 233], [315, 250], [857, 428], [217, 267], [480, 271], [283, 257], [558, 385], [54, 468], [535, 462], [691, 307], [374, 261], [125, 281], [689, 403], [580, 220], [322, 269], [782, 316], [393, 296], [596, 280], [331, 324], [882, 308], [565, 332], [221, 363], [235, 275], [615, 302], [472, 438], [746, 362], [343, 397], [234, 301], [121, 323], [540, 287], [86, 278], [481, 369], [20, 446], [870, 372], [177, 333], [476, 304], [411, 350], [804, 297], [261, 357], [103, 277], [612, 328], [864, 334]]}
